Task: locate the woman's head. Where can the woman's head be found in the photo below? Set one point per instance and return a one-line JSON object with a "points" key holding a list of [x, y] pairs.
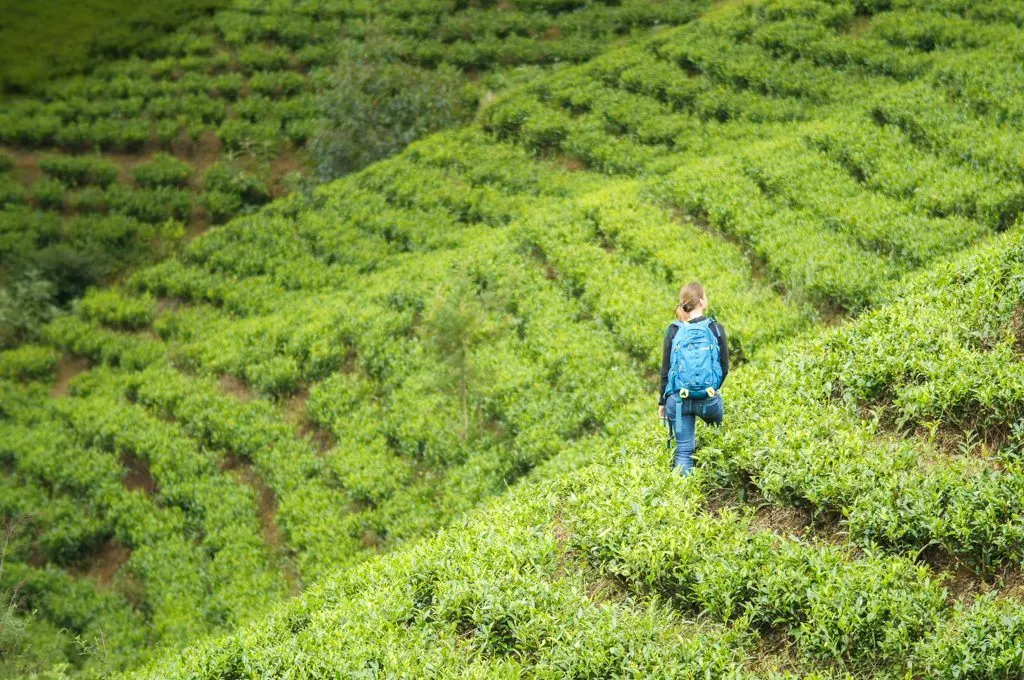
{"points": [[691, 299]]}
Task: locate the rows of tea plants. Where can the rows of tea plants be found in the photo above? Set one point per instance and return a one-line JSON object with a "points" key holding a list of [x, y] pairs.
{"points": [[392, 356], [939, 365], [245, 84], [86, 218], [637, 533], [955, 364], [956, 488], [109, 489], [891, 149], [249, 73], [884, 159], [675, 88], [347, 371], [518, 588]]}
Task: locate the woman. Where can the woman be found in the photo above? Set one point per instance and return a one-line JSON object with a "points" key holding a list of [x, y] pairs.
{"points": [[694, 363]]}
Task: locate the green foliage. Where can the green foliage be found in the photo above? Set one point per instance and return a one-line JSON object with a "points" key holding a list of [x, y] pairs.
{"points": [[453, 322], [88, 200], [229, 179], [162, 170], [376, 105], [28, 362], [260, 58], [351, 369], [222, 205], [113, 309], [12, 192], [49, 193], [77, 171], [152, 206], [26, 303]]}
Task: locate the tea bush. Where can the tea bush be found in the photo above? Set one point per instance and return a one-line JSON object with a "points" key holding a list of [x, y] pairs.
{"points": [[162, 170]]}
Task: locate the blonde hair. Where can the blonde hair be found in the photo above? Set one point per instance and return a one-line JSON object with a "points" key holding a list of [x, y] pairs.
{"points": [[690, 297]]}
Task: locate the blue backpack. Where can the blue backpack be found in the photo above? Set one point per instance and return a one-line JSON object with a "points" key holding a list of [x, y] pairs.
{"points": [[694, 365]]}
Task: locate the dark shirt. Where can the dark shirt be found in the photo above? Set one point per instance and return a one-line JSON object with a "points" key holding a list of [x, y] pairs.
{"points": [[666, 354]]}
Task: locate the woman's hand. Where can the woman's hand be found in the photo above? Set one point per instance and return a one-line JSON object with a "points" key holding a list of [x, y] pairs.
{"points": [[661, 412]]}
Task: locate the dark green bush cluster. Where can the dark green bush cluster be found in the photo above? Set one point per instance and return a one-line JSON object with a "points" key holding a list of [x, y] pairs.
{"points": [[376, 105]]}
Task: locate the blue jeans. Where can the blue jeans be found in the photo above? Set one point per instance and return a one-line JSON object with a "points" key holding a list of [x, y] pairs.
{"points": [[711, 411]]}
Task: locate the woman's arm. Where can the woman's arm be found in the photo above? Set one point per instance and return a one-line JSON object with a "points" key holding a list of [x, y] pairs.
{"points": [[723, 348], [666, 357]]}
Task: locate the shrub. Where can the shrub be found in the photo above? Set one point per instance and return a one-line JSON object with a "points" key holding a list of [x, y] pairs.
{"points": [[376, 105], [112, 308], [28, 362], [168, 130], [25, 305], [259, 58], [228, 179], [225, 85], [240, 134], [277, 82], [49, 193], [6, 161], [12, 192], [276, 376], [89, 199], [221, 205], [163, 170], [77, 171], [152, 205]]}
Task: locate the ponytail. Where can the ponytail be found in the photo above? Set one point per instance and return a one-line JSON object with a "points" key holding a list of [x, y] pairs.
{"points": [[690, 297]]}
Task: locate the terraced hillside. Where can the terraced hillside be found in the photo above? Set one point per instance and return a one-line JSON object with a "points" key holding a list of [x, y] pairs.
{"points": [[343, 374], [134, 156]]}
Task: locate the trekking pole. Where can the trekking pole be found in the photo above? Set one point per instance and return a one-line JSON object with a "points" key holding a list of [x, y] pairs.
{"points": [[668, 441]]}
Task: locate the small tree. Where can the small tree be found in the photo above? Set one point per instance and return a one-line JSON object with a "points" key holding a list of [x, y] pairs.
{"points": [[453, 322], [26, 304], [377, 104], [12, 624]]}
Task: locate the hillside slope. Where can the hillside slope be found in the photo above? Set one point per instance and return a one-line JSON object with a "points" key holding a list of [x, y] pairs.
{"points": [[244, 100], [339, 374]]}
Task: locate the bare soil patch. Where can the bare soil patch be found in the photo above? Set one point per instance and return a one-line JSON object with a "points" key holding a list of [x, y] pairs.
{"points": [[26, 165], [106, 561], [266, 509], [568, 162], [552, 33], [295, 413], [67, 368], [137, 476], [280, 166], [236, 387], [371, 540], [604, 589], [784, 521]]}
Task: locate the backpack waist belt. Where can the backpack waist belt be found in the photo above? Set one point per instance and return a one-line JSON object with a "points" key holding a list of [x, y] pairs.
{"points": [[698, 395]]}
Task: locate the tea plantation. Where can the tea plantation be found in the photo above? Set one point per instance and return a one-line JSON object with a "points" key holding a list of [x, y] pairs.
{"points": [[159, 134], [404, 425]]}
